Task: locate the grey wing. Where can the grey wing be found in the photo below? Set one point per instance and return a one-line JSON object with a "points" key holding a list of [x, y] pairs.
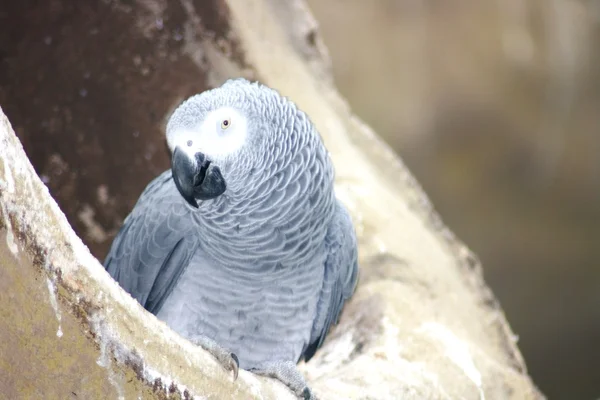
{"points": [[340, 277], [154, 245]]}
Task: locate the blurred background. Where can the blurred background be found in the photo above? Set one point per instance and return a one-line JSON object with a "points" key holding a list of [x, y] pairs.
{"points": [[495, 107]]}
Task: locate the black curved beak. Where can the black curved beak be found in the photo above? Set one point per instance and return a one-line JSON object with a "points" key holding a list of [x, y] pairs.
{"points": [[196, 178]]}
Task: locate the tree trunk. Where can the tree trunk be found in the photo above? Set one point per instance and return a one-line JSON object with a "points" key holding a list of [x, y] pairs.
{"points": [[88, 88]]}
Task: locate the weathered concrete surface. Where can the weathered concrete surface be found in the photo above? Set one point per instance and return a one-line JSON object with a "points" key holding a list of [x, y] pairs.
{"points": [[422, 323]]}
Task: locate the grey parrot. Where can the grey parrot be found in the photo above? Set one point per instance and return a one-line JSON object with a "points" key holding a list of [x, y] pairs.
{"points": [[242, 246]]}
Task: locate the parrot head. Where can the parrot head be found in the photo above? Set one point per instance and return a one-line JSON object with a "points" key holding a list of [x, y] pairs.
{"points": [[218, 138]]}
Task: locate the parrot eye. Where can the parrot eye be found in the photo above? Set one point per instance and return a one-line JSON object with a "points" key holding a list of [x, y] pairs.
{"points": [[225, 123]]}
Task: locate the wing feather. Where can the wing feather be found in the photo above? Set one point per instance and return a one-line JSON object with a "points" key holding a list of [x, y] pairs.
{"points": [[154, 245], [339, 279]]}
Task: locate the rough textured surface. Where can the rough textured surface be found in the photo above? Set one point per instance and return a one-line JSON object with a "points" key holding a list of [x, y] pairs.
{"points": [[422, 323]]}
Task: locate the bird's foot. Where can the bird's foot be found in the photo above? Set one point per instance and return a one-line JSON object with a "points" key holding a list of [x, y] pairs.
{"points": [[288, 373], [227, 359]]}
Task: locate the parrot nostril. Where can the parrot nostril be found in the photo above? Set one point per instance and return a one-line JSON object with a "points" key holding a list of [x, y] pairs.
{"points": [[190, 143]]}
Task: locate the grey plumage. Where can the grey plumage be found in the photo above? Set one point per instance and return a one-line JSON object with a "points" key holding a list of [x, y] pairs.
{"points": [[264, 268]]}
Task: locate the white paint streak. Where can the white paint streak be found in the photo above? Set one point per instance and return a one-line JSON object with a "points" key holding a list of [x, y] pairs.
{"points": [[10, 236], [381, 245], [10, 240], [391, 332], [54, 304], [8, 178], [457, 351], [104, 358]]}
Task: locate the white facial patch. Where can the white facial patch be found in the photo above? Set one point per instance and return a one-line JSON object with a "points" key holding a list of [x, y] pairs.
{"points": [[221, 134]]}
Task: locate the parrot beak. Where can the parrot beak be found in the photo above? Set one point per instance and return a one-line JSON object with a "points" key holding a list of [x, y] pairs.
{"points": [[196, 178]]}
